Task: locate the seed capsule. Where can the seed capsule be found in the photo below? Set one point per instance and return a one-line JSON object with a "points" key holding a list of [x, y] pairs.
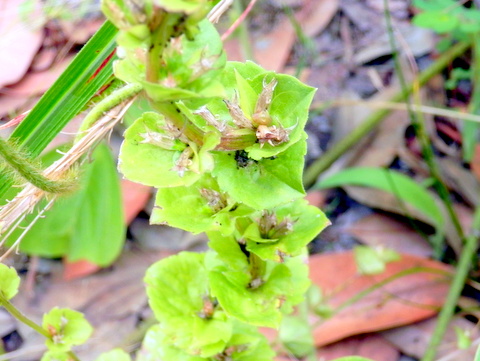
{"points": [[271, 135]]}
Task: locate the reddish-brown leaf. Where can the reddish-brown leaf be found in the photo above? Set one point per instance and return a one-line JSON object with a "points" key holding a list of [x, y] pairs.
{"points": [[135, 198], [403, 300]]}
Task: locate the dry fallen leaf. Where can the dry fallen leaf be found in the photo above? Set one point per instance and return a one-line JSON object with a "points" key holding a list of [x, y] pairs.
{"points": [[417, 295], [270, 50], [413, 339], [19, 39], [381, 230], [316, 15], [38, 83], [372, 346]]}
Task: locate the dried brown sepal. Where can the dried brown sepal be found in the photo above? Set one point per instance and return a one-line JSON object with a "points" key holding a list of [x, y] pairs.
{"points": [[211, 119], [271, 228], [237, 114], [162, 140], [227, 354], [261, 116], [216, 201], [271, 135], [183, 162], [209, 306], [266, 96]]}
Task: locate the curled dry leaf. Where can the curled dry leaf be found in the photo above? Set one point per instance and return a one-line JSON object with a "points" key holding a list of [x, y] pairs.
{"points": [[403, 300]]}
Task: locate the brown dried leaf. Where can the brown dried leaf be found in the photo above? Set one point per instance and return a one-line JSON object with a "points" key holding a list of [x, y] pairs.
{"points": [[381, 230], [270, 50], [373, 347], [413, 339], [417, 295], [316, 15]]}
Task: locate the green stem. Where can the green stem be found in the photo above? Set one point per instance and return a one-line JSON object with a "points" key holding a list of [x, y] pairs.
{"points": [[418, 123], [243, 35], [454, 292], [15, 312], [111, 101], [24, 167], [324, 162], [470, 129]]}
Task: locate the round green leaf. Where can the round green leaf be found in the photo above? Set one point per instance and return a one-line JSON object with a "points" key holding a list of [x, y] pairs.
{"points": [[304, 222], [177, 288], [262, 184], [155, 347], [9, 281], [197, 208], [283, 286], [151, 163], [67, 328]]}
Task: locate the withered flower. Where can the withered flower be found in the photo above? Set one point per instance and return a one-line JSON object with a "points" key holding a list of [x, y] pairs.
{"points": [[271, 135]]}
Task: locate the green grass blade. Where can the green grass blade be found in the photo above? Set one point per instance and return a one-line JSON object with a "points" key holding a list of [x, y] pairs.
{"points": [[68, 95], [390, 181]]}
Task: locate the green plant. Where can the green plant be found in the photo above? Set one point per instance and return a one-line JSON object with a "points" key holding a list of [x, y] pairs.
{"points": [[224, 144]]}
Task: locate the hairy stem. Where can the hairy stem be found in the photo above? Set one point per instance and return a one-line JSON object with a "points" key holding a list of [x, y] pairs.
{"points": [[110, 102], [23, 166]]}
